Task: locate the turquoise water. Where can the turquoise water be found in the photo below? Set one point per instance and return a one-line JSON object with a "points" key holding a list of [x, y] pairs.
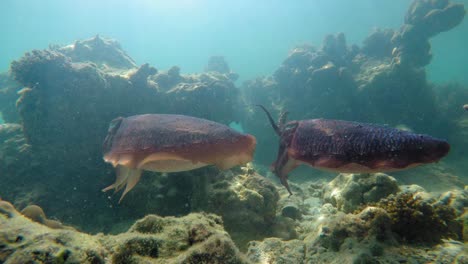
{"points": [[64, 117], [254, 36]]}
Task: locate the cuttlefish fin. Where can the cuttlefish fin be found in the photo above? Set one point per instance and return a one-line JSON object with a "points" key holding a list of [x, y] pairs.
{"points": [[125, 177]]}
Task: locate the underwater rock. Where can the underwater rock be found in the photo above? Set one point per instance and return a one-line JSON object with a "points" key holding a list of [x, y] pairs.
{"points": [[434, 16], [457, 199], [140, 77], [65, 120], [195, 238], [17, 164], [412, 216], [413, 189], [246, 198], [349, 191], [424, 19], [14, 148], [338, 237], [365, 237], [106, 53], [38, 66], [165, 80], [217, 64], [36, 214], [369, 84], [274, 250], [8, 94], [378, 44], [209, 95]]}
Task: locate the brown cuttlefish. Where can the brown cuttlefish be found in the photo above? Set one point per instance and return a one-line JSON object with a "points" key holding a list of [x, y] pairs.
{"points": [[350, 147], [171, 143]]}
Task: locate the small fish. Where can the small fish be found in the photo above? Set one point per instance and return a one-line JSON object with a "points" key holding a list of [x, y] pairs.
{"points": [[350, 147], [171, 143], [465, 107]]}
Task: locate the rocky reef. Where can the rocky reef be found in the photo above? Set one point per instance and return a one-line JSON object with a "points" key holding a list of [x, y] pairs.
{"points": [[63, 121], [429, 225], [195, 238], [57, 104], [382, 81], [349, 191]]}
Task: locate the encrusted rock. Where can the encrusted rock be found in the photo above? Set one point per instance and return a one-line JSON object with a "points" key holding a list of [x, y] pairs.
{"points": [[107, 53], [195, 238], [348, 191], [250, 199]]}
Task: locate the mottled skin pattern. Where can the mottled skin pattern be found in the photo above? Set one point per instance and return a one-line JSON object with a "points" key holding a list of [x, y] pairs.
{"points": [[364, 144], [344, 146], [171, 143], [199, 140]]}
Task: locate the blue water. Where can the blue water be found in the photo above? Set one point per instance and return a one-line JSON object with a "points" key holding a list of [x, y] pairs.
{"points": [[254, 36]]}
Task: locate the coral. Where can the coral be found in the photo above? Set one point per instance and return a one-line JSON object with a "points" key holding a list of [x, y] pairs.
{"points": [[348, 191], [418, 221], [196, 238]]}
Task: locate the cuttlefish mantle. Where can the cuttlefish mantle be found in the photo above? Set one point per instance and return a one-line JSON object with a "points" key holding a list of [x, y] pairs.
{"points": [[350, 147], [171, 143]]}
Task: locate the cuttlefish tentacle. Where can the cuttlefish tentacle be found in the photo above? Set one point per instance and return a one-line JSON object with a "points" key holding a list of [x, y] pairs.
{"points": [[283, 166], [126, 177], [284, 163], [132, 180], [272, 122]]}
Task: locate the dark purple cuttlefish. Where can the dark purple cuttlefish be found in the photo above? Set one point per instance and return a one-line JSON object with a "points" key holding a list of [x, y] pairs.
{"points": [[350, 147]]}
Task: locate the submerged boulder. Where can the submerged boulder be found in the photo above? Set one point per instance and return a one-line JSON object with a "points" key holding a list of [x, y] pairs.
{"points": [[195, 238], [349, 191], [246, 201]]}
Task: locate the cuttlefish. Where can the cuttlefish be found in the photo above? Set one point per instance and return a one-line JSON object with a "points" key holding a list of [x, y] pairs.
{"points": [[350, 147], [171, 143]]}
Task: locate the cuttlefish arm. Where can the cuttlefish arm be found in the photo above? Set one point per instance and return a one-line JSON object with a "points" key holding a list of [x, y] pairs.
{"points": [[126, 177], [284, 162], [282, 166]]}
